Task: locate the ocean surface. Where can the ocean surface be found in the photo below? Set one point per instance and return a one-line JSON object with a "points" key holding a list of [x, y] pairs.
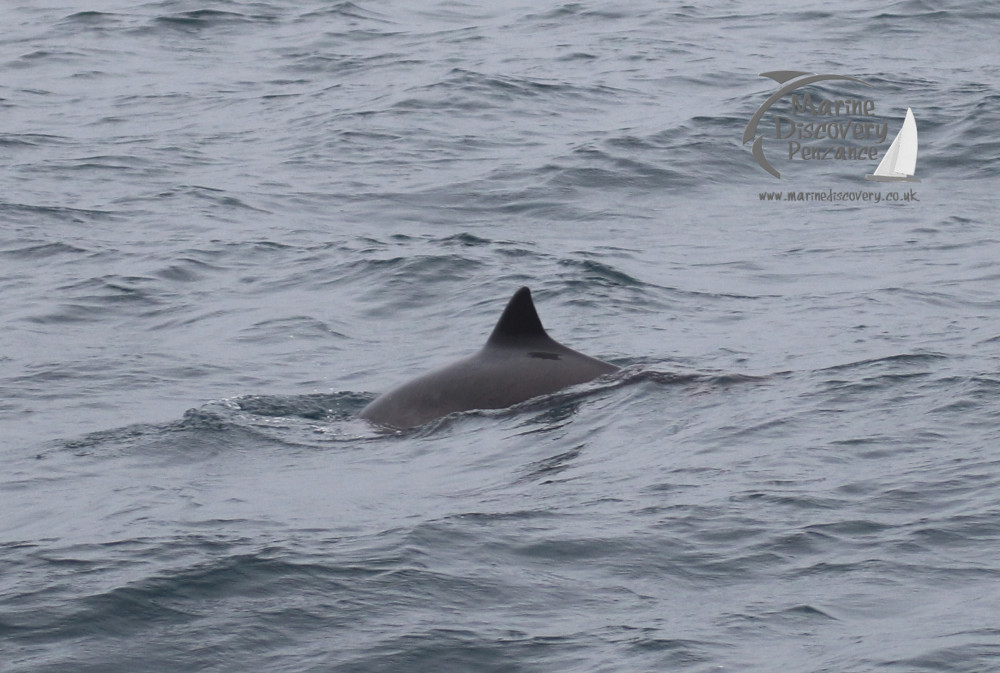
{"points": [[226, 226]]}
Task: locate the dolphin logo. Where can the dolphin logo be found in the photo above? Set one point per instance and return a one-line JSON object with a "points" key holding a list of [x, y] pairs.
{"points": [[795, 79]]}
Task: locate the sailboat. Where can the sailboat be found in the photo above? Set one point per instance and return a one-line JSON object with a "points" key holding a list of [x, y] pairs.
{"points": [[900, 161]]}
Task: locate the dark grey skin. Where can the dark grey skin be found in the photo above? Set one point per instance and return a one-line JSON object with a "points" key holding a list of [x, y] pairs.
{"points": [[518, 362]]}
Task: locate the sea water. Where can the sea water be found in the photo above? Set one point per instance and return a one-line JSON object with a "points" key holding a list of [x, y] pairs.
{"points": [[225, 226]]}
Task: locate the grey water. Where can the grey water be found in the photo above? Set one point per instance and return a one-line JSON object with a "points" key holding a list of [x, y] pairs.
{"points": [[225, 226]]}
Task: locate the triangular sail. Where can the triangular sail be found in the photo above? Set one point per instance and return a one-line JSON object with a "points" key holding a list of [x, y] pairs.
{"points": [[906, 158], [885, 167], [900, 160]]}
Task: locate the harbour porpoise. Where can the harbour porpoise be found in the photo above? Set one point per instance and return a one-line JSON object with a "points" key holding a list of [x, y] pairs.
{"points": [[518, 362]]}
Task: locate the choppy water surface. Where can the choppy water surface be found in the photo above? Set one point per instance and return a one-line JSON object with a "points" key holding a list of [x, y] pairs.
{"points": [[226, 226]]}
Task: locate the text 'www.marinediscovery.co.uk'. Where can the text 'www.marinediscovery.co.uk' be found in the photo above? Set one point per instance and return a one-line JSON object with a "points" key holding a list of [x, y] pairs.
{"points": [[831, 195]]}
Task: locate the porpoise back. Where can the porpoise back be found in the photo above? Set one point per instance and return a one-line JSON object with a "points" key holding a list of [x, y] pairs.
{"points": [[519, 361]]}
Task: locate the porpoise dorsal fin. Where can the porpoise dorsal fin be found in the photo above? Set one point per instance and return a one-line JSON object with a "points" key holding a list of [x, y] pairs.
{"points": [[519, 321]]}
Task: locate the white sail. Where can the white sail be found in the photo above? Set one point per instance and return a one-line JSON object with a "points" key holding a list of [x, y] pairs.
{"points": [[906, 157], [884, 169], [900, 161]]}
